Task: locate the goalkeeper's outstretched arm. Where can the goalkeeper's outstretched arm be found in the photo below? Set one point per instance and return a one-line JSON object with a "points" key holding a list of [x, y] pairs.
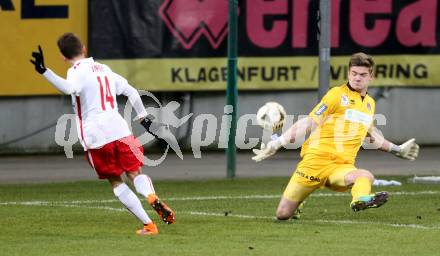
{"points": [[299, 130], [408, 150]]}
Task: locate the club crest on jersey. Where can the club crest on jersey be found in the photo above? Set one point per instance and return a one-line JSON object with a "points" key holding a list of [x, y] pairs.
{"points": [[368, 106], [321, 110], [344, 100]]}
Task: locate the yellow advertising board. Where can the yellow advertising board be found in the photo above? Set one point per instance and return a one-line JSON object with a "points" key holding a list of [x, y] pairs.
{"points": [[26, 24], [270, 73]]}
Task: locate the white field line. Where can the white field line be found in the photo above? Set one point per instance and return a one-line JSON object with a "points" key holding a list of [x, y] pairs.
{"points": [[52, 204], [201, 198], [242, 216], [346, 222], [211, 214], [106, 208]]}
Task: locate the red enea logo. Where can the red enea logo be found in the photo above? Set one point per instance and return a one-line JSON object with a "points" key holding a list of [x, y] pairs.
{"points": [[188, 20]]}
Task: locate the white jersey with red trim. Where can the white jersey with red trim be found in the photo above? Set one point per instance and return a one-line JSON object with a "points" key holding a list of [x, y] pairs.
{"points": [[94, 87]]}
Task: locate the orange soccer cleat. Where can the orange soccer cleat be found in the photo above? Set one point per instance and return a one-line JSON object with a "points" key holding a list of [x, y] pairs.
{"points": [[148, 229], [165, 212]]}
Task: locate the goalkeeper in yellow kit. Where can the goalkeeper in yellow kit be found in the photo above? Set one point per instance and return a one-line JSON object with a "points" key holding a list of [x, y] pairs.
{"points": [[335, 130]]}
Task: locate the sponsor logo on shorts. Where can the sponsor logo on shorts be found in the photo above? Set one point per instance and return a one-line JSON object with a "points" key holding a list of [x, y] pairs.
{"points": [[311, 177]]}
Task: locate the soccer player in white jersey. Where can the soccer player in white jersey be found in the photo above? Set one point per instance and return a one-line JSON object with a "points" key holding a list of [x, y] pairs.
{"points": [[110, 147]]}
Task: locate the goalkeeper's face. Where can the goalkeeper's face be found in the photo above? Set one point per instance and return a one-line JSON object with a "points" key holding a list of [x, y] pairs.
{"points": [[359, 78]]}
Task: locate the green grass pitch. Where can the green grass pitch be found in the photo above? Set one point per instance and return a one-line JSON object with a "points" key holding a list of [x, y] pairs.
{"points": [[216, 217]]}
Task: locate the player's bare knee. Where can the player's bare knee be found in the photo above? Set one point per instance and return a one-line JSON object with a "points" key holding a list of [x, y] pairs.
{"points": [[285, 212], [115, 181], [282, 218], [132, 175], [283, 215]]}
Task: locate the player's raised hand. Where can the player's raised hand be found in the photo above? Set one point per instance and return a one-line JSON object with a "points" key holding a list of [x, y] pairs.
{"points": [[152, 128], [38, 61], [408, 150], [155, 128], [268, 150]]}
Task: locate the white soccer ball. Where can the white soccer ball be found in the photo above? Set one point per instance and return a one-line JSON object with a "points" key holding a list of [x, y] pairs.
{"points": [[271, 116]]}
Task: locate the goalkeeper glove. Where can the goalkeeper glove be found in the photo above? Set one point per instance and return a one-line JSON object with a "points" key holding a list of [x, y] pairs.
{"points": [[38, 61], [408, 150], [268, 150]]}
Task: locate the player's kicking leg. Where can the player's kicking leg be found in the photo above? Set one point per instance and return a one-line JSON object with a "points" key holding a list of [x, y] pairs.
{"points": [[165, 212], [133, 204], [288, 209], [144, 186], [369, 201], [292, 202], [361, 182]]}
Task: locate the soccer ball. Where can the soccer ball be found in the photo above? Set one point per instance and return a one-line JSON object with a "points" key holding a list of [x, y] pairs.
{"points": [[271, 116]]}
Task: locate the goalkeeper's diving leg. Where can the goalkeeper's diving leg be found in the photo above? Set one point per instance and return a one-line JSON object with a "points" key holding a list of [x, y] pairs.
{"points": [[360, 182], [292, 200]]}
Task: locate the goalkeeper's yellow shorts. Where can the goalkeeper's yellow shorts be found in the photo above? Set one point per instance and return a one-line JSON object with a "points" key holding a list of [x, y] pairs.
{"points": [[314, 172]]}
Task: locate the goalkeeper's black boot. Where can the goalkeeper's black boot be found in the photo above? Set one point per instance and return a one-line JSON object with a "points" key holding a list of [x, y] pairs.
{"points": [[369, 201]]}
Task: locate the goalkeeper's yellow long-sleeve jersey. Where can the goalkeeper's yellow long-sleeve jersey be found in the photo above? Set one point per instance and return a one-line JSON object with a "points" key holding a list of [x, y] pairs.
{"points": [[344, 117]]}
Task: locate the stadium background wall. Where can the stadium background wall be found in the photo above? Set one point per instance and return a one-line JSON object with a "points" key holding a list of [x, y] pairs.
{"points": [[185, 62]]}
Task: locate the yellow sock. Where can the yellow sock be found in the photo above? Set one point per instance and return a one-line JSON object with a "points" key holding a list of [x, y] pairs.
{"points": [[361, 187]]}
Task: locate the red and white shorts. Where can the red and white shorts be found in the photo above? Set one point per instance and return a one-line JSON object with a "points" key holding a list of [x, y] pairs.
{"points": [[117, 157]]}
